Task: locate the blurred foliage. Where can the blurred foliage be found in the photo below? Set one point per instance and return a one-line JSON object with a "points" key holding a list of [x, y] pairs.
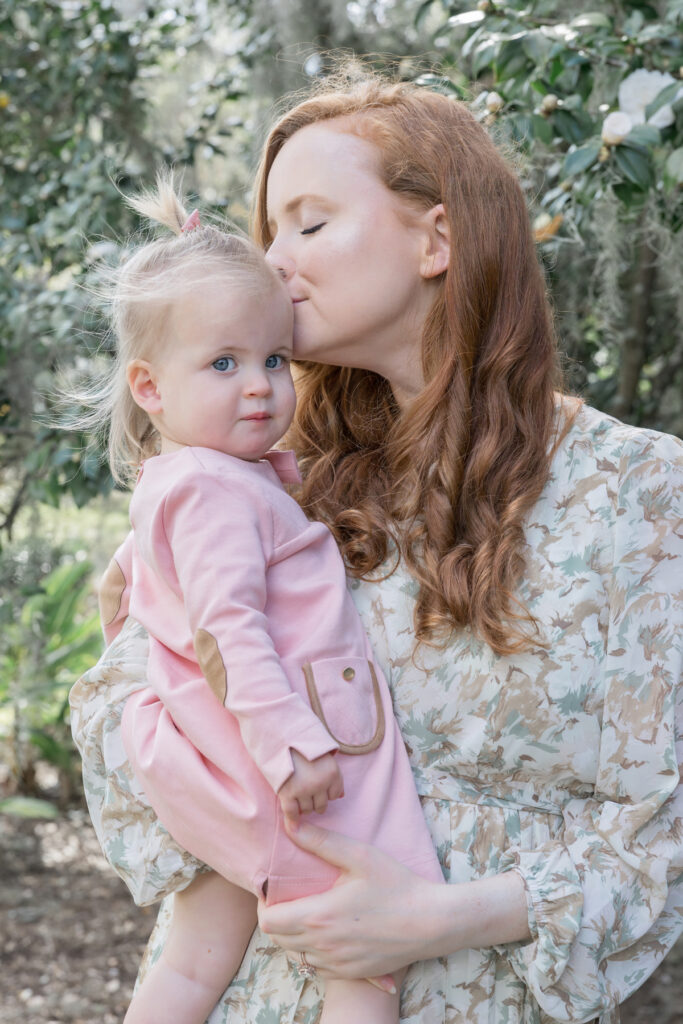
{"points": [[49, 635], [74, 116], [96, 94], [607, 205]]}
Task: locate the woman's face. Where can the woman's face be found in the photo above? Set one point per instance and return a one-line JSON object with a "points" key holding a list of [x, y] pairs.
{"points": [[351, 253]]}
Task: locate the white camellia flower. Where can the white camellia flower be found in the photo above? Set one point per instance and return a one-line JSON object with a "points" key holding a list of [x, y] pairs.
{"points": [[494, 102], [616, 127], [549, 103], [639, 89], [542, 221]]}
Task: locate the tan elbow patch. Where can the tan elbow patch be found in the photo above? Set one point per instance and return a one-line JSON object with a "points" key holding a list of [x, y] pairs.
{"points": [[211, 663], [110, 592]]}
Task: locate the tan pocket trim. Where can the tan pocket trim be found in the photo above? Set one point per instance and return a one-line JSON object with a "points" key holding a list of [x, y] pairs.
{"points": [[211, 663], [110, 592], [348, 748]]}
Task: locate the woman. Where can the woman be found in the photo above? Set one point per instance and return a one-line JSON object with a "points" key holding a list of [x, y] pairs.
{"points": [[517, 561]]}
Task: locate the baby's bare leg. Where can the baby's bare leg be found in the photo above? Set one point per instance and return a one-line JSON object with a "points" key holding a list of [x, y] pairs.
{"points": [[347, 1001], [212, 923]]}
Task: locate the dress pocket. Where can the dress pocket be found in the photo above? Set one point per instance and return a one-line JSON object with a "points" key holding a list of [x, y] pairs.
{"points": [[345, 695]]}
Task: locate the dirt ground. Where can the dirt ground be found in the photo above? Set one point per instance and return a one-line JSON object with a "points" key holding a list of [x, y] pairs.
{"points": [[71, 937]]}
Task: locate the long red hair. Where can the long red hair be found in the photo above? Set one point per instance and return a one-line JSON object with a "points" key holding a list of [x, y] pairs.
{"points": [[447, 484]]}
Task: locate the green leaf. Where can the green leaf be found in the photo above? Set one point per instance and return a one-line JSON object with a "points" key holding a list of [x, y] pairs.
{"points": [[674, 165], [581, 159], [51, 749], [557, 67], [634, 23], [644, 135], [537, 46], [542, 129], [634, 165], [591, 19], [28, 807], [667, 95], [511, 57], [653, 32], [467, 18], [574, 126], [61, 456], [519, 126], [483, 56], [438, 83]]}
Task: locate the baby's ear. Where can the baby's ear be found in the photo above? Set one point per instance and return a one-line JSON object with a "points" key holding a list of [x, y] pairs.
{"points": [[143, 386]]}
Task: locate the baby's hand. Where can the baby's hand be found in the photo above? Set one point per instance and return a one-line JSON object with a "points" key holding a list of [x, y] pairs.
{"points": [[311, 785]]}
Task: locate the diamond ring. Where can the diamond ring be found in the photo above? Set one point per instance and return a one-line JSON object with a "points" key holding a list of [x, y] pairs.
{"points": [[304, 969]]}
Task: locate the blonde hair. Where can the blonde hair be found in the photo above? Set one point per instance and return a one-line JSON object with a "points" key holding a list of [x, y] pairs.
{"points": [[139, 295], [448, 485]]}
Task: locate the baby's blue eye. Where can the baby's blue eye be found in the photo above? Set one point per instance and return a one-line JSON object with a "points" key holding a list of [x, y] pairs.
{"points": [[223, 364], [274, 362]]}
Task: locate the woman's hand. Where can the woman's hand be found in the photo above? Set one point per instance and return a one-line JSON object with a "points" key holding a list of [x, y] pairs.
{"points": [[374, 920], [379, 916]]}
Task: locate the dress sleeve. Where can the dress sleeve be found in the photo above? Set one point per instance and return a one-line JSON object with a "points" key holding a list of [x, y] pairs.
{"points": [[221, 540], [606, 901], [132, 838]]}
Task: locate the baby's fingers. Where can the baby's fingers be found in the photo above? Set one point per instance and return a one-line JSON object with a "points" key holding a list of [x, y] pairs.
{"points": [[320, 802], [336, 789], [290, 807], [305, 802]]}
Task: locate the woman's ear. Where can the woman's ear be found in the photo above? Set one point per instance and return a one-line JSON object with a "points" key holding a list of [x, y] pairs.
{"points": [[437, 248], [142, 382]]}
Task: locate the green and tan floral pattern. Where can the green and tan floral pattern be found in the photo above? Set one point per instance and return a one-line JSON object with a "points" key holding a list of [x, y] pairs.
{"points": [[560, 763]]}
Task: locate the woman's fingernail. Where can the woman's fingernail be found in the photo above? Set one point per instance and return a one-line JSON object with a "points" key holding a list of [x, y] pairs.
{"points": [[384, 984]]}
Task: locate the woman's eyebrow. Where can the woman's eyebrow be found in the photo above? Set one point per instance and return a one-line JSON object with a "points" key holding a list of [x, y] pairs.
{"points": [[293, 205]]}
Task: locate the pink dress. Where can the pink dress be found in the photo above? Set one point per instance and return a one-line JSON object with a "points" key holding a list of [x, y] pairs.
{"points": [[256, 649]]}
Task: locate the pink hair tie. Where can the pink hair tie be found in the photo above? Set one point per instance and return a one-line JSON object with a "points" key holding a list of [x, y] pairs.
{"points": [[192, 222]]}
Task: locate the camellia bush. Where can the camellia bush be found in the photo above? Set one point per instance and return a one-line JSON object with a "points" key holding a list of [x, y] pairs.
{"points": [[590, 102], [74, 124], [77, 122]]}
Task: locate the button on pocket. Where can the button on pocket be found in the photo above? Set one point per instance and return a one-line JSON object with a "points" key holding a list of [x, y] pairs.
{"points": [[345, 695]]}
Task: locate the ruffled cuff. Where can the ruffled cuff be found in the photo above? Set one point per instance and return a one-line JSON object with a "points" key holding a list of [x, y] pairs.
{"points": [[555, 904]]}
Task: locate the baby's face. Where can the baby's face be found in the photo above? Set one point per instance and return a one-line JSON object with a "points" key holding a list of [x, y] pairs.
{"points": [[223, 376]]}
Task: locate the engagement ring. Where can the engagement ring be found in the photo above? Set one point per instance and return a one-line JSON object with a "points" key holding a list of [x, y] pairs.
{"points": [[304, 969]]}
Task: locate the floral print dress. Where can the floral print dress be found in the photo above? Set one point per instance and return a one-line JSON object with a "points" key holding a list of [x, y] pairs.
{"points": [[559, 763]]}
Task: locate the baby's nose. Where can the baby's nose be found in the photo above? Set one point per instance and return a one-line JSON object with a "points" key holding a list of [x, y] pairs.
{"points": [[258, 383]]}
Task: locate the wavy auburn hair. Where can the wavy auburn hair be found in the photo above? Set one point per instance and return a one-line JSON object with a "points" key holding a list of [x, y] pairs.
{"points": [[446, 484]]}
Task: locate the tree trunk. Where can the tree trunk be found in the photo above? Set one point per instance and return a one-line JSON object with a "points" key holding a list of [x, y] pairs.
{"points": [[635, 348]]}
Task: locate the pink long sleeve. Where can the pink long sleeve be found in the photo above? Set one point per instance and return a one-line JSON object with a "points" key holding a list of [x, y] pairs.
{"points": [[256, 649], [211, 546]]}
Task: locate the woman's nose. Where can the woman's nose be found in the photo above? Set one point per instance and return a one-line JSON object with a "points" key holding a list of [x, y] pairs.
{"points": [[280, 261]]}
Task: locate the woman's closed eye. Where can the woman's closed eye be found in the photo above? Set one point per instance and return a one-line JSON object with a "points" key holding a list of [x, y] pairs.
{"points": [[224, 364], [312, 230]]}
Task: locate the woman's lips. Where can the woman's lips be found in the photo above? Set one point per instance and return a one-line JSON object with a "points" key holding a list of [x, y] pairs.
{"points": [[257, 416]]}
